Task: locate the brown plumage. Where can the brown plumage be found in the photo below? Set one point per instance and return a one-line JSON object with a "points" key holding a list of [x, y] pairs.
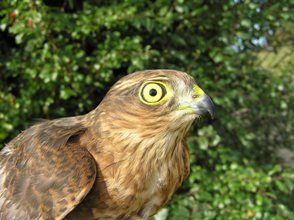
{"points": [[123, 160]]}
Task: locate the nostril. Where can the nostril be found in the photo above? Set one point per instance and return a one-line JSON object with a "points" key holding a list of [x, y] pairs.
{"points": [[195, 96]]}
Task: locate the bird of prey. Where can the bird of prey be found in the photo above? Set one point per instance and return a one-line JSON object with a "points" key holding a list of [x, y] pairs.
{"points": [[121, 161]]}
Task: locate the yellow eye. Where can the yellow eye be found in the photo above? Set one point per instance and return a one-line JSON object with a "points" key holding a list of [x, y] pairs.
{"points": [[152, 93]]}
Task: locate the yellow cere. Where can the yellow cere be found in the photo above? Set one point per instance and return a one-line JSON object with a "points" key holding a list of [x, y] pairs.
{"points": [[198, 91], [154, 92]]}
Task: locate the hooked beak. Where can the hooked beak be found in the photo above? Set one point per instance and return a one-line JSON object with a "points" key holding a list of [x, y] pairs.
{"points": [[203, 106]]}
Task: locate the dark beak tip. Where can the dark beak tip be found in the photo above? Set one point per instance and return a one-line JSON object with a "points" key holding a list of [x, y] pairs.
{"points": [[210, 107], [205, 107], [212, 116], [212, 111]]}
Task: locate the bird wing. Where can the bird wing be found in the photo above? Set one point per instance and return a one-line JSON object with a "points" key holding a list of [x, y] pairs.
{"points": [[45, 172]]}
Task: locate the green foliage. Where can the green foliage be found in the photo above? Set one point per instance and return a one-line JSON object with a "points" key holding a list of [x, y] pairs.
{"points": [[59, 58]]}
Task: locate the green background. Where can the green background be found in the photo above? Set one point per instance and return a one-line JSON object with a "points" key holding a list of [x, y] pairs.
{"points": [[59, 58]]}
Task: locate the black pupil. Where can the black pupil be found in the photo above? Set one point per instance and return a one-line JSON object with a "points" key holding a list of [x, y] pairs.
{"points": [[153, 92]]}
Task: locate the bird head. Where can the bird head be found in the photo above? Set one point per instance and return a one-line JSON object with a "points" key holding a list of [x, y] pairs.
{"points": [[155, 102]]}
